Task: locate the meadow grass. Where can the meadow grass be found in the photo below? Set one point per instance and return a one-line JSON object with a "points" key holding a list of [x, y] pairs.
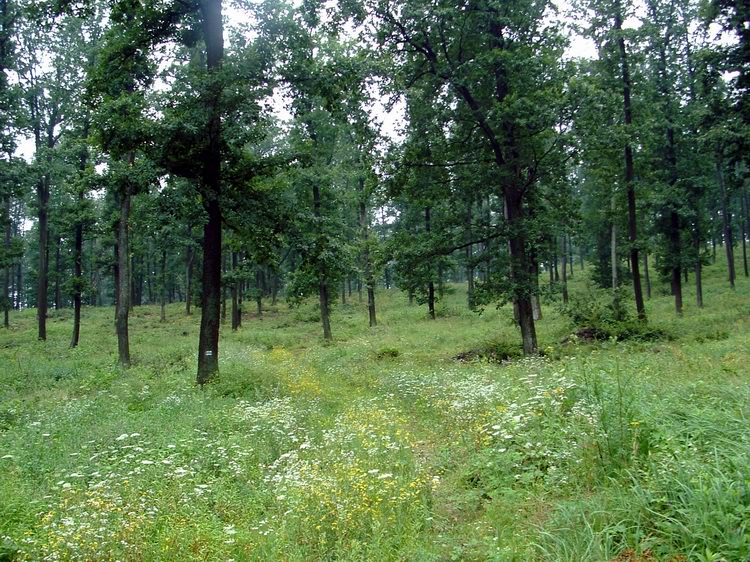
{"points": [[380, 445]]}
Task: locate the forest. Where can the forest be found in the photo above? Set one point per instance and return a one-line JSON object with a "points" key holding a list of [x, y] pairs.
{"points": [[373, 280]]}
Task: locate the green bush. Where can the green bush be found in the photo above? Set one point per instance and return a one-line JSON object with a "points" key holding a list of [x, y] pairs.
{"points": [[599, 315], [387, 353], [492, 351]]}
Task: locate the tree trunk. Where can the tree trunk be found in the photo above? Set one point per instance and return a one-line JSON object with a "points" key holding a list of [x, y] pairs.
{"points": [[190, 259], [430, 284], [123, 308], [536, 305], [42, 193], [343, 291], [223, 290], [163, 287], [629, 172], [551, 271], [743, 222], [646, 275], [613, 246], [77, 274], [208, 343], [727, 221], [555, 268], [519, 269], [116, 267], [234, 294], [675, 250], [469, 257], [259, 291], [570, 257], [240, 296], [564, 273], [325, 307], [20, 292], [6, 284], [713, 246], [58, 273], [698, 267]]}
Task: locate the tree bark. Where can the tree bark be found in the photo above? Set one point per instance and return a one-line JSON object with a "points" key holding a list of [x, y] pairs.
{"points": [[58, 273], [727, 221], [6, 284], [743, 222], [570, 257], [629, 172], [469, 257], [613, 246], [42, 194], [163, 287], [189, 259], [536, 305], [430, 283], [323, 297], [240, 296], [519, 269], [564, 273], [646, 275], [78, 272], [208, 342], [234, 293], [698, 266], [675, 251], [369, 277], [224, 269], [123, 258]]}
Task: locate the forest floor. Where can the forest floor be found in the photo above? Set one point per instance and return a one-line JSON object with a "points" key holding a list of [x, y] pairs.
{"points": [[381, 445]]}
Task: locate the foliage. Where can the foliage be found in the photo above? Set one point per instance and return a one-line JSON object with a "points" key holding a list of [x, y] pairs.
{"points": [[597, 315]]}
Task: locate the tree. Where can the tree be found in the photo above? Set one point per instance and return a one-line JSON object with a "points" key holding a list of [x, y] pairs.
{"points": [[502, 65]]}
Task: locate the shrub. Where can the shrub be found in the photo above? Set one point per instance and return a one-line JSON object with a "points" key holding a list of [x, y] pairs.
{"points": [[598, 315], [492, 351], [387, 353]]}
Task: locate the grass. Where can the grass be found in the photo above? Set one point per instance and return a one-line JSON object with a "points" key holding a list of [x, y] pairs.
{"points": [[381, 445]]}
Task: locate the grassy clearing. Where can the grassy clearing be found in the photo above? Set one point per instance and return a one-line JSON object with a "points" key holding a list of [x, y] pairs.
{"points": [[380, 446]]}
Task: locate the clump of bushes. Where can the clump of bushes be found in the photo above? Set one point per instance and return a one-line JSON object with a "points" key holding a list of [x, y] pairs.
{"points": [[599, 315], [492, 351], [387, 353]]}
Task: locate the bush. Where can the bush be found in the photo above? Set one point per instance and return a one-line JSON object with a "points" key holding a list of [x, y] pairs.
{"points": [[387, 353], [597, 315], [492, 351]]}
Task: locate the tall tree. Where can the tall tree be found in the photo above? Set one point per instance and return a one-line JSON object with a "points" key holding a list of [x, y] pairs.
{"points": [[501, 64]]}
